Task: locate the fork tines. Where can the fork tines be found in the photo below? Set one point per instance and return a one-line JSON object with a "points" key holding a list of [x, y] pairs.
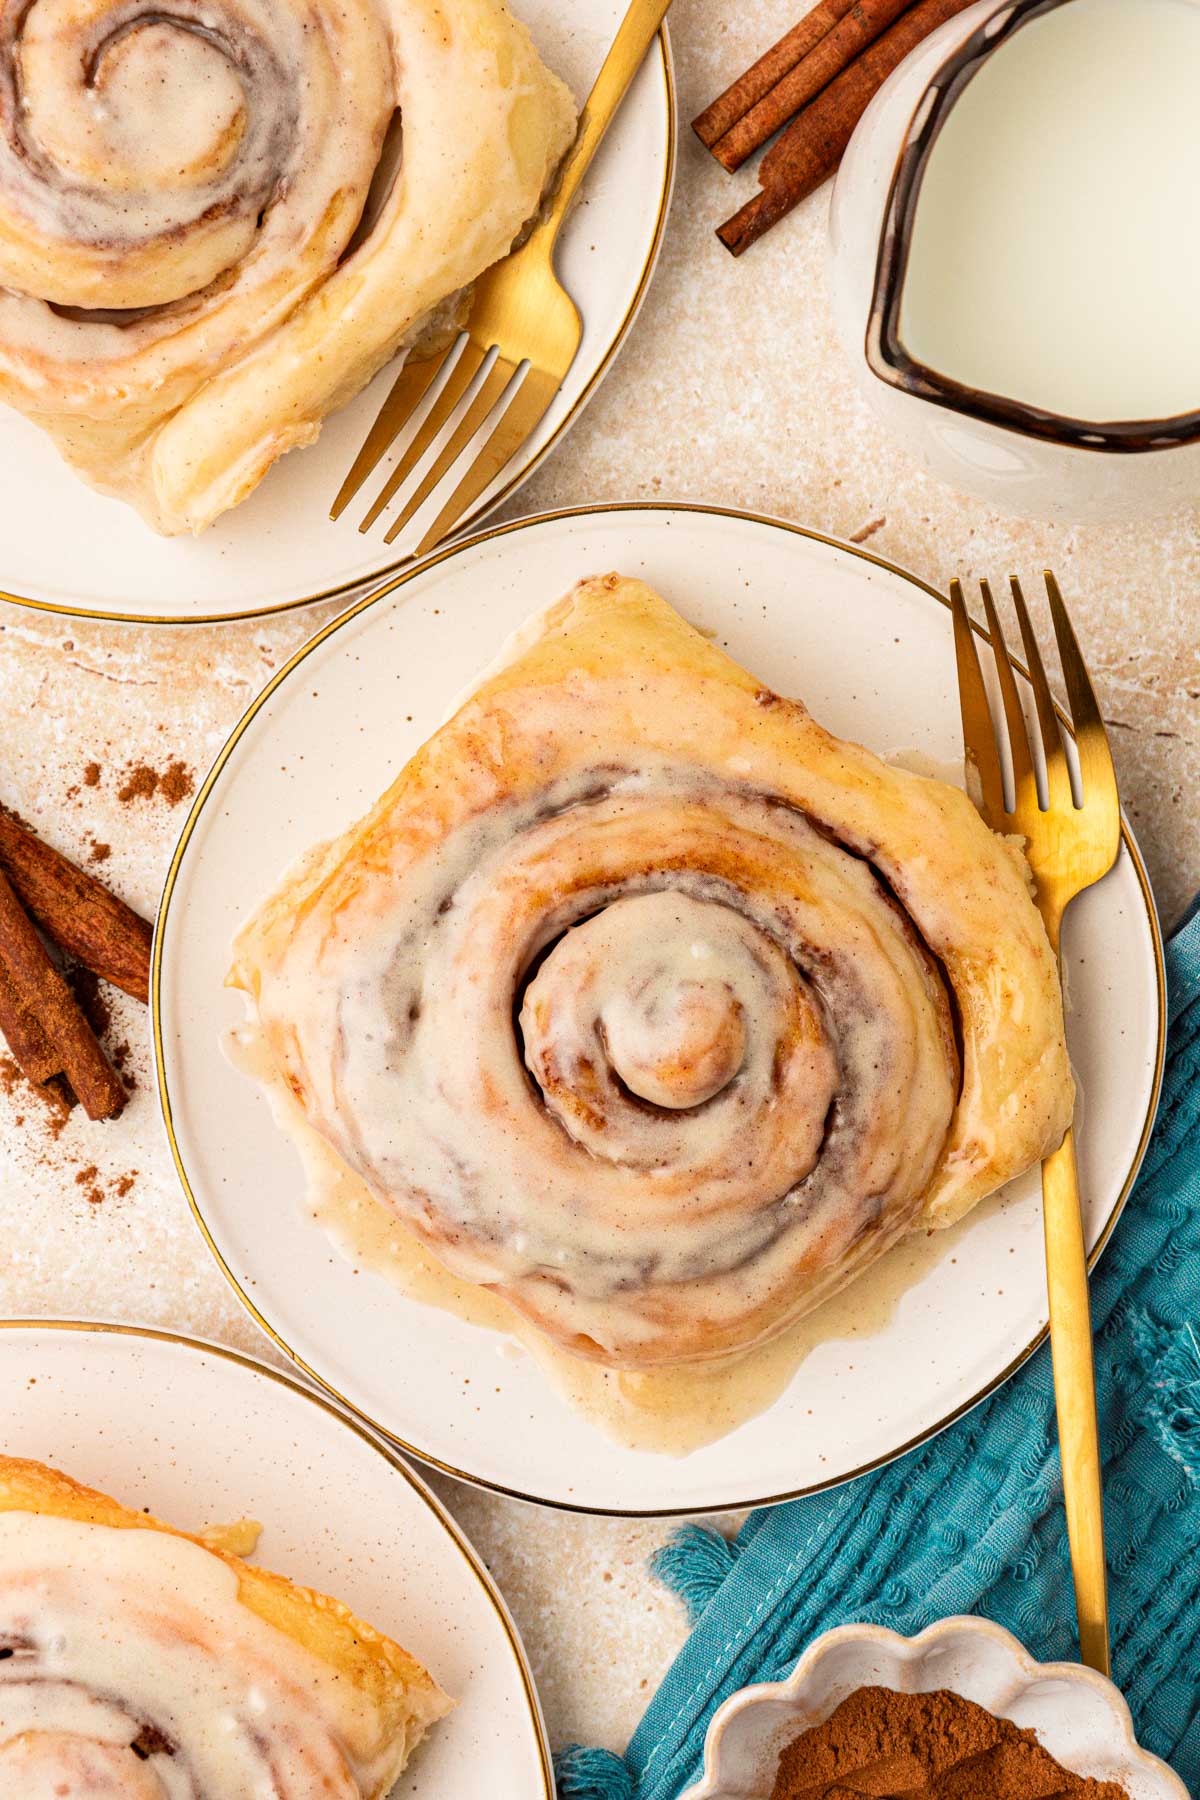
{"points": [[479, 387], [1053, 791]]}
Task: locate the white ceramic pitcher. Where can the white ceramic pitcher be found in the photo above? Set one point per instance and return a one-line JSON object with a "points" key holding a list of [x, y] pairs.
{"points": [[1012, 454]]}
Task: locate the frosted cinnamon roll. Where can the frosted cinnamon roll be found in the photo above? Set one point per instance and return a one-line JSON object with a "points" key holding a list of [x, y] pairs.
{"points": [[651, 1006], [219, 218], [137, 1663]]}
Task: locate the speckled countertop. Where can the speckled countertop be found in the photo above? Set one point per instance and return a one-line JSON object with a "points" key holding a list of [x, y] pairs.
{"points": [[729, 390]]}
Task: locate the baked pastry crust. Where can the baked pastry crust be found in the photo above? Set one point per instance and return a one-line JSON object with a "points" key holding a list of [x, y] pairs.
{"points": [[390, 1688], [484, 994], [195, 265]]}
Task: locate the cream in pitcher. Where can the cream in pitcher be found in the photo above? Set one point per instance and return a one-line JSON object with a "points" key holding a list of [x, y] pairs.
{"points": [[1013, 274], [1050, 259]]}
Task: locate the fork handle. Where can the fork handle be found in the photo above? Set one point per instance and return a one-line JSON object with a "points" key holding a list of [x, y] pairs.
{"points": [[635, 36], [1075, 1397]]}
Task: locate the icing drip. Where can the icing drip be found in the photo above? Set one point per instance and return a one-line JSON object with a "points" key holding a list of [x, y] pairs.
{"points": [[668, 1411]]}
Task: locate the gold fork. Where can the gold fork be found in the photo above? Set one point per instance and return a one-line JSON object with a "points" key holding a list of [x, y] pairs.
{"points": [[1069, 845], [520, 310]]}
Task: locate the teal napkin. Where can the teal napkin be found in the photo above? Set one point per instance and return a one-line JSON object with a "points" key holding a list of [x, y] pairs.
{"points": [[973, 1522]]}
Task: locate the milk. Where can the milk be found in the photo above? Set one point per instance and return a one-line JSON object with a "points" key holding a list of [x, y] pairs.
{"points": [[1055, 248]]}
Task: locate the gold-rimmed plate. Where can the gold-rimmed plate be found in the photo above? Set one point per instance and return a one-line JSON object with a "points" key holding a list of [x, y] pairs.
{"points": [[201, 1435], [70, 550], [912, 1345]]}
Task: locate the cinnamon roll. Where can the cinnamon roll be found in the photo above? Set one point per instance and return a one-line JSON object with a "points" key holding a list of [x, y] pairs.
{"points": [[206, 241], [652, 1007], [139, 1662]]}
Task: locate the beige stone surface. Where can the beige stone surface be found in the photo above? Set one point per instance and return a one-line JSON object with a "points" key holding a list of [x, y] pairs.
{"points": [[730, 390]]}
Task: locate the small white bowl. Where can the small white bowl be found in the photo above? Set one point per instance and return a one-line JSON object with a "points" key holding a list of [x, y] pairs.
{"points": [[1078, 1715]]}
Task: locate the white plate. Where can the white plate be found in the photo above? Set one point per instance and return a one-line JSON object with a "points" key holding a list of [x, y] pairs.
{"points": [[68, 549], [869, 648], [202, 1436]]}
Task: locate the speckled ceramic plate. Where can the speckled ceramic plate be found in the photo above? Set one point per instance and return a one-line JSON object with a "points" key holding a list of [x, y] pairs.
{"points": [[202, 1436], [68, 549], [914, 1343]]}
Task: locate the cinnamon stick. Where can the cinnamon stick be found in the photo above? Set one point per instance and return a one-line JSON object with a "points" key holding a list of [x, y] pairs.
{"points": [[44, 995], [835, 51], [76, 910], [718, 119], [812, 146], [29, 1044]]}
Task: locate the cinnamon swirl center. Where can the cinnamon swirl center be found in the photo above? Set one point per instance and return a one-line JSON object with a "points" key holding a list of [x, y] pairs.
{"points": [[675, 1042], [667, 1005], [143, 146]]}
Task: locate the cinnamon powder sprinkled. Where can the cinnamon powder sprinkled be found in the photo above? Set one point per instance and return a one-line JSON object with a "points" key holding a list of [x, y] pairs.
{"points": [[144, 782], [43, 1126], [89, 1178], [141, 782], [54, 1101], [177, 783], [86, 1178], [89, 779]]}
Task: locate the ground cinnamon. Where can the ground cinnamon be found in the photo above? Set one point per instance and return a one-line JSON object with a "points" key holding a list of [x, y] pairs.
{"points": [[143, 782], [934, 1746], [55, 1099], [76, 910]]}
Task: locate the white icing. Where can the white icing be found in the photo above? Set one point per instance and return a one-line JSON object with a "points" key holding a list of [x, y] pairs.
{"points": [[173, 135], [620, 1224], [115, 1631], [662, 1411]]}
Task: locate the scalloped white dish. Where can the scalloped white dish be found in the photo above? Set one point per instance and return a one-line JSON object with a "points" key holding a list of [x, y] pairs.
{"points": [[1079, 1717]]}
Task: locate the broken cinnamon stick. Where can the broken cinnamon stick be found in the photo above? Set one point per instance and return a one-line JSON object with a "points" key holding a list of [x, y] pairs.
{"points": [[835, 51], [76, 910], [43, 994], [718, 119], [812, 146]]}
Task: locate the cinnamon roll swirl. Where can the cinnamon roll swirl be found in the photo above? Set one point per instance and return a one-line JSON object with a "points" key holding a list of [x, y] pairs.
{"points": [[654, 1008], [140, 1663], [205, 242]]}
